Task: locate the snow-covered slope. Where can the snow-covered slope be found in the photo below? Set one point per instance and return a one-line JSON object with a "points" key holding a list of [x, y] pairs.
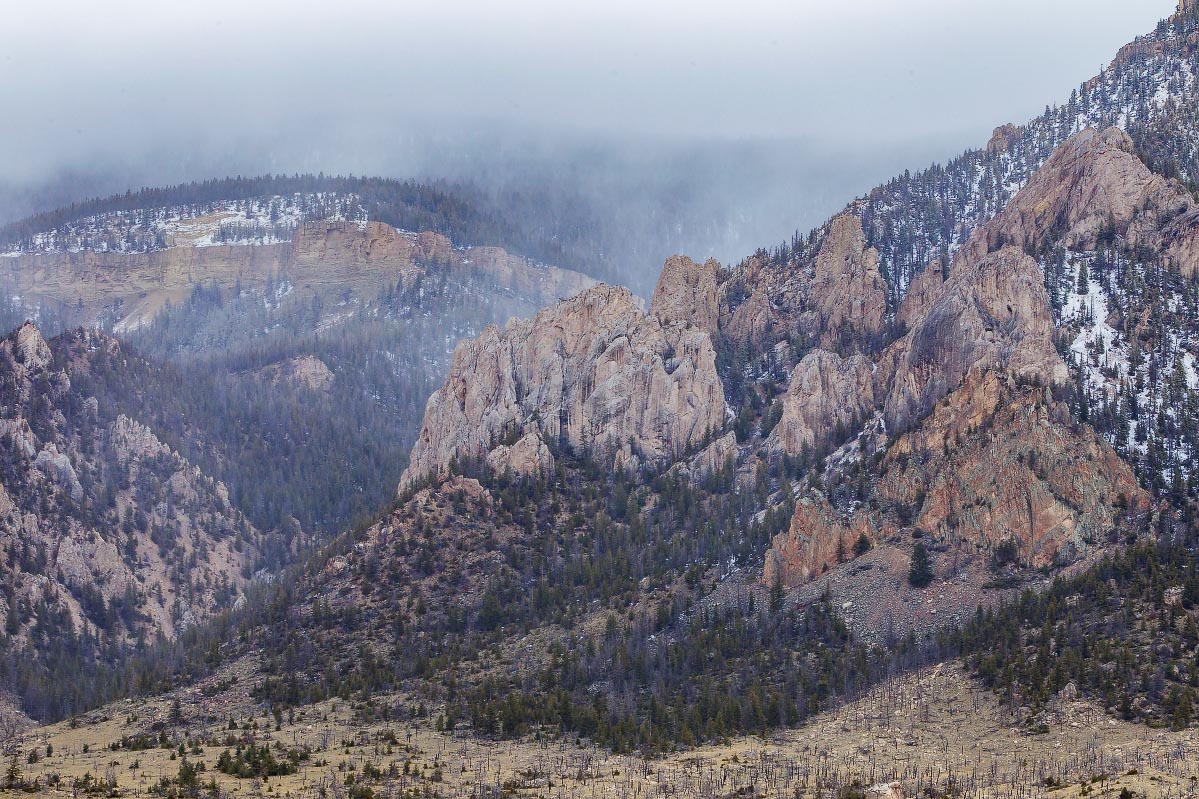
{"points": [[260, 220]]}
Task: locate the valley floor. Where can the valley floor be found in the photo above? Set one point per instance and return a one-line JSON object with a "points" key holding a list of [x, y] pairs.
{"points": [[936, 733]]}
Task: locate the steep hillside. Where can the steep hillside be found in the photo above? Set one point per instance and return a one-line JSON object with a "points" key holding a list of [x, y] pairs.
{"points": [[788, 480], [238, 293], [940, 436], [1149, 91], [109, 535]]}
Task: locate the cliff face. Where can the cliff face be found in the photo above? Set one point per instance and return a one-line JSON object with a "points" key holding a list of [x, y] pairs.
{"points": [[838, 301], [101, 520], [991, 313], [131, 288], [825, 391], [998, 462], [686, 294], [593, 372], [848, 291], [985, 456], [995, 463], [1091, 184]]}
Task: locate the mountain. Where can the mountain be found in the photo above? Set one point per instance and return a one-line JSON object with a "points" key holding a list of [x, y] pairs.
{"points": [[955, 422], [111, 537], [350, 322], [939, 418]]}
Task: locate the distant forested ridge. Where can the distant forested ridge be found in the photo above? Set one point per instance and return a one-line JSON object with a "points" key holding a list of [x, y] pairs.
{"points": [[463, 213]]}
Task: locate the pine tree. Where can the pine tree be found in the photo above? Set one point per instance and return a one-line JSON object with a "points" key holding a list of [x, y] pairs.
{"points": [[921, 572]]}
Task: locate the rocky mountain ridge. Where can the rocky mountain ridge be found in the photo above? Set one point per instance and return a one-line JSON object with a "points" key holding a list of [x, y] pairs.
{"points": [[593, 372], [979, 364], [648, 529], [351, 323], [128, 289], [108, 532]]}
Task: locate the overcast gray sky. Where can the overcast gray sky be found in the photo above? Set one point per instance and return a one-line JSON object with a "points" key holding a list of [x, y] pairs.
{"points": [[333, 82]]}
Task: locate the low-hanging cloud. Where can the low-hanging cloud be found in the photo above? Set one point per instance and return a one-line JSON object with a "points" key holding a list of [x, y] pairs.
{"points": [[100, 96]]}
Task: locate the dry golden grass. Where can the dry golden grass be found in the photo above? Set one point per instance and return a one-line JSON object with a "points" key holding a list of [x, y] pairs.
{"points": [[933, 731]]}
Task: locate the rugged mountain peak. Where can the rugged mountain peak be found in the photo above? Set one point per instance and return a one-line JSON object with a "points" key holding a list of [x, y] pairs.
{"points": [[830, 293], [1003, 138], [593, 372], [1050, 488], [31, 349], [992, 313], [686, 293], [848, 290], [826, 391], [1091, 183]]}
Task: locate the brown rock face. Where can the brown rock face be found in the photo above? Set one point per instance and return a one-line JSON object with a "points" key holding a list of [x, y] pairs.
{"points": [[350, 244], [826, 390], [686, 294], [848, 290], [593, 372], [993, 313], [819, 539], [996, 463], [1003, 138], [993, 463], [322, 257], [985, 455], [1092, 181]]}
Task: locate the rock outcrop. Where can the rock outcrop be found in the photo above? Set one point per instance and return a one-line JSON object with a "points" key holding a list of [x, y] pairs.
{"points": [[31, 349], [848, 290], [527, 457], [826, 392], [1092, 183], [133, 288], [720, 454], [305, 371], [996, 462], [593, 372], [1003, 138], [993, 310], [993, 463], [984, 454], [686, 294], [924, 289], [991, 313], [112, 517], [838, 301], [819, 538]]}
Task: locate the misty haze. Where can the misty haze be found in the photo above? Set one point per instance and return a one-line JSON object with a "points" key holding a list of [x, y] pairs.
{"points": [[461, 399]]}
